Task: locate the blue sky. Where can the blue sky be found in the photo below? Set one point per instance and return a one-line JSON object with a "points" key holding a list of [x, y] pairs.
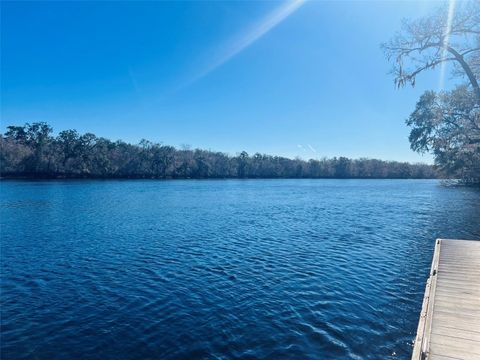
{"points": [[306, 80]]}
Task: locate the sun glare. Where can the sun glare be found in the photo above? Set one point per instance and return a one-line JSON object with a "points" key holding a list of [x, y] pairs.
{"points": [[446, 40]]}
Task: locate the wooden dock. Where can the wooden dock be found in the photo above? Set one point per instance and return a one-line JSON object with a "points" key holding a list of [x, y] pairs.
{"points": [[449, 326]]}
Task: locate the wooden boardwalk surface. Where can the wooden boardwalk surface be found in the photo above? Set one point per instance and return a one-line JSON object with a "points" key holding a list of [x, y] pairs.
{"points": [[449, 326]]}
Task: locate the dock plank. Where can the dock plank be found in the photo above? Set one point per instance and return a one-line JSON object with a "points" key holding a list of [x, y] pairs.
{"points": [[455, 333], [449, 325]]}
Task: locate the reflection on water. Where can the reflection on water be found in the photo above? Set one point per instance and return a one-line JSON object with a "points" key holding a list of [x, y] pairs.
{"points": [[220, 269]]}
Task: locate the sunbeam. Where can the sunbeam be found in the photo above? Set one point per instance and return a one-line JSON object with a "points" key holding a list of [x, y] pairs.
{"points": [[446, 40], [245, 40]]}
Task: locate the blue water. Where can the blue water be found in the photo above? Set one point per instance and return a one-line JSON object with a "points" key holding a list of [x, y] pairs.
{"points": [[257, 269]]}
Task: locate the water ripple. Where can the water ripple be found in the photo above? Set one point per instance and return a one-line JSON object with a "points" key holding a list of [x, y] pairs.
{"points": [[220, 269]]}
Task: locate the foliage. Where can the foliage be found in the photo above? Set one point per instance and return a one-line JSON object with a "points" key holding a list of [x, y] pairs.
{"points": [[32, 151], [448, 124], [444, 123]]}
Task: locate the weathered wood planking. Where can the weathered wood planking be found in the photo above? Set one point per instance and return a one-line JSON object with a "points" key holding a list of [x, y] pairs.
{"points": [[449, 326]]}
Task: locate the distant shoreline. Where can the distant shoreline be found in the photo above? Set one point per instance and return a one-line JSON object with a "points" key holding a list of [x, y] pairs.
{"points": [[62, 177], [32, 151]]}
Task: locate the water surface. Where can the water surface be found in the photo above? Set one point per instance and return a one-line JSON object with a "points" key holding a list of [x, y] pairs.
{"points": [[255, 269]]}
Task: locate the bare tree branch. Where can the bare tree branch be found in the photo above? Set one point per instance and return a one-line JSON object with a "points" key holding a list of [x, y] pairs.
{"points": [[422, 45]]}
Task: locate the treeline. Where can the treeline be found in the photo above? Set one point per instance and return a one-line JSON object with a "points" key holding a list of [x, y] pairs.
{"points": [[32, 151]]}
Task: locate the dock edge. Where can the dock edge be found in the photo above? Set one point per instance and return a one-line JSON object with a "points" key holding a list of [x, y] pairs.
{"points": [[421, 343]]}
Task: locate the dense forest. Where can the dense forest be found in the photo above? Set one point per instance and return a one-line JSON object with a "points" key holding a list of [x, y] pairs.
{"points": [[32, 151]]}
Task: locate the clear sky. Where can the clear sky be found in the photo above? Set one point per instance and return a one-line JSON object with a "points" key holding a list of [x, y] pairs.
{"points": [[293, 79]]}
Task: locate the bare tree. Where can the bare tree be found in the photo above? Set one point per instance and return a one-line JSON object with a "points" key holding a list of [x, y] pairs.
{"points": [[446, 123], [448, 35]]}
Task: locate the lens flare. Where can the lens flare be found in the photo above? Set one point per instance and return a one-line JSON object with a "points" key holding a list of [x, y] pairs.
{"points": [[446, 40], [249, 37]]}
